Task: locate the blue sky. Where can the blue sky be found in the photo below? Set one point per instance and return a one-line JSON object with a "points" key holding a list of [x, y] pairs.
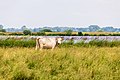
{"points": [[78, 13]]}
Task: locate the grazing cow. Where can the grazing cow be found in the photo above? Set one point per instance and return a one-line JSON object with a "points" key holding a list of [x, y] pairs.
{"points": [[48, 43]]}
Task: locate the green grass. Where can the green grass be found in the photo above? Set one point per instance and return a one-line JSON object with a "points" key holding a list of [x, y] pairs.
{"points": [[32, 43], [17, 43], [72, 63]]}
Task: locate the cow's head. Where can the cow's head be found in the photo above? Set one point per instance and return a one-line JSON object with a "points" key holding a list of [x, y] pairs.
{"points": [[59, 39]]}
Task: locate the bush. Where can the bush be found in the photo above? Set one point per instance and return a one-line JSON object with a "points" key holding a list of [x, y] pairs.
{"points": [[27, 32], [80, 34], [2, 30], [68, 32], [86, 34]]}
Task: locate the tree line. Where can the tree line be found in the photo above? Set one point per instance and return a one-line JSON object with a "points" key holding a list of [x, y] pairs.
{"points": [[48, 32]]}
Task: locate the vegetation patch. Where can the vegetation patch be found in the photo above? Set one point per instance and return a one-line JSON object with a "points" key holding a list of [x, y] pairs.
{"points": [[32, 43], [73, 63]]}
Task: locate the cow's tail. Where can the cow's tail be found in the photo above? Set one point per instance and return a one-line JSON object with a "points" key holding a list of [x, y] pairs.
{"points": [[37, 43]]}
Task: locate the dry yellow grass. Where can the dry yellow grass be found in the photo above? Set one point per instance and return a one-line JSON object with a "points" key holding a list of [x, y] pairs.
{"points": [[73, 33], [98, 33]]}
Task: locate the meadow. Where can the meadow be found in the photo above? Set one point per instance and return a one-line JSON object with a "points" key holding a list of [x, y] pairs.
{"points": [[68, 43], [80, 41], [98, 59], [72, 63]]}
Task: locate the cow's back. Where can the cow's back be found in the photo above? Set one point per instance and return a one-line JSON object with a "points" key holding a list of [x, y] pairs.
{"points": [[47, 42]]}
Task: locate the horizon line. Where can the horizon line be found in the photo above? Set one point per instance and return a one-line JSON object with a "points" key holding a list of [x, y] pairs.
{"points": [[5, 27]]}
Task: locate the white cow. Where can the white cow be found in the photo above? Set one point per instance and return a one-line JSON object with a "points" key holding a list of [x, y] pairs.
{"points": [[48, 43]]}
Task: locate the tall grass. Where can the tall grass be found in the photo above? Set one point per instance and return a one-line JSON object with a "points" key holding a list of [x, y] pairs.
{"points": [[32, 43], [17, 43], [91, 44], [73, 63]]}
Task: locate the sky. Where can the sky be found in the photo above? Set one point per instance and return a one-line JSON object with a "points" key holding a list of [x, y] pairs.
{"points": [[71, 13]]}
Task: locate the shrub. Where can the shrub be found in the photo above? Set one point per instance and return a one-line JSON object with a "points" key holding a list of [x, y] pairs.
{"points": [[68, 32], [80, 34], [86, 34], [2, 30], [27, 32]]}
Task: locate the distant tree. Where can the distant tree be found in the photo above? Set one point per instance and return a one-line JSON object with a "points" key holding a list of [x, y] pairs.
{"points": [[108, 29], [27, 32], [2, 30], [46, 30], [68, 32], [58, 29], [1, 27], [80, 34], [24, 28], [93, 28]]}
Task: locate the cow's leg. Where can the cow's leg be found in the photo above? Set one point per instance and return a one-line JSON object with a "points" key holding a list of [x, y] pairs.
{"points": [[37, 44], [41, 46], [53, 47]]}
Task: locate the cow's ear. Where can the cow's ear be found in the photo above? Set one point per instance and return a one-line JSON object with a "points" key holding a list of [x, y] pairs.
{"points": [[62, 38], [56, 38], [38, 38]]}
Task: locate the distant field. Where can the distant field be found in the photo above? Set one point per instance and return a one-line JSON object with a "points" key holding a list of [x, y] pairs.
{"points": [[73, 63], [73, 33], [64, 33], [35, 33], [98, 33]]}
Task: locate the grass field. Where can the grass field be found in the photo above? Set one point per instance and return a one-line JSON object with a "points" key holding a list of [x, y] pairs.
{"points": [[64, 33], [73, 63], [32, 43], [97, 33]]}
